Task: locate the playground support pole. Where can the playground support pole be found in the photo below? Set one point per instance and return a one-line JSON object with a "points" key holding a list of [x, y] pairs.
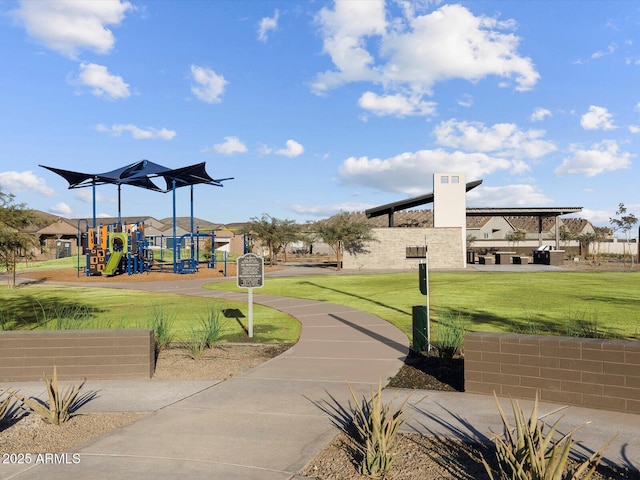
{"points": [[175, 233], [191, 187], [119, 205], [93, 188]]}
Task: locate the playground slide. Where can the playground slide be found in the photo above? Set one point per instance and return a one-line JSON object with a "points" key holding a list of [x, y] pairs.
{"points": [[112, 264]]}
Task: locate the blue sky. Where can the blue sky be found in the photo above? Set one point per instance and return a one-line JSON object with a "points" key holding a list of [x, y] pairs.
{"points": [[320, 107]]}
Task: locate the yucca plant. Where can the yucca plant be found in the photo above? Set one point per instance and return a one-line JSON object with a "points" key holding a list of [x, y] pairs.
{"points": [[4, 407], [527, 452], [59, 408], [376, 425]]}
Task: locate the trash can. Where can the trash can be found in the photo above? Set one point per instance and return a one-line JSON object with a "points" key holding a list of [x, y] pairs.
{"points": [[420, 328], [471, 256]]}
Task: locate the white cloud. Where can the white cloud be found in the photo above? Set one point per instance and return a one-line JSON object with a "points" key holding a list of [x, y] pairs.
{"points": [[328, 210], [266, 25], [209, 86], [508, 195], [465, 100], [13, 182], [540, 114], [137, 133], [103, 83], [67, 26], [61, 209], [634, 128], [230, 146], [597, 118], [292, 149], [398, 105], [505, 139], [602, 157], [411, 173], [597, 217], [601, 53], [415, 52]]}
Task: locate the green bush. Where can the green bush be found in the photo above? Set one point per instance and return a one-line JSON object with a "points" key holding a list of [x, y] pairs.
{"points": [[162, 325], [449, 334]]}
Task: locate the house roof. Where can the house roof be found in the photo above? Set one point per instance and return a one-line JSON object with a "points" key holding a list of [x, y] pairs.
{"points": [[390, 208]]}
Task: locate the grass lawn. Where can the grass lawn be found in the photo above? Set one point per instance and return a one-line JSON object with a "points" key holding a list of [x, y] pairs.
{"points": [[544, 302], [46, 307]]}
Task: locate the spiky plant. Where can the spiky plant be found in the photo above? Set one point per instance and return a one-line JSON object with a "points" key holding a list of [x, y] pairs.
{"points": [[59, 407], [4, 407], [211, 326], [527, 452], [376, 425]]}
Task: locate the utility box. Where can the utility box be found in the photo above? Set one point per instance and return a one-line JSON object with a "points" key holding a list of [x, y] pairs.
{"points": [[420, 328]]}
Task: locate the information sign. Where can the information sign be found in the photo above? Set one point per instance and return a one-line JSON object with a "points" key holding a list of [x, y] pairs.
{"points": [[250, 271]]}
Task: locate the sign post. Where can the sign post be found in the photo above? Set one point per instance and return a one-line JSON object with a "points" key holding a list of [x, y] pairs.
{"points": [[250, 276]]}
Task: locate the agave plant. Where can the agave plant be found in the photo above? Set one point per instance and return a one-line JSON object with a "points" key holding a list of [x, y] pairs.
{"points": [[59, 408], [4, 407], [527, 452], [376, 427]]}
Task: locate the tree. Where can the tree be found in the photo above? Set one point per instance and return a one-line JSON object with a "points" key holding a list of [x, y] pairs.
{"points": [[272, 232], [586, 239], [14, 241], [624, 221], [345, 232]]}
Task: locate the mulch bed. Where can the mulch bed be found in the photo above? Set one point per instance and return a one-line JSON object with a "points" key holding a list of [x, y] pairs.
{"points": [[428, 372]]}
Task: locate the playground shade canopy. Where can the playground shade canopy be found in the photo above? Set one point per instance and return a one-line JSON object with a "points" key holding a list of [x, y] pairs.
{"points": [[141, 174]]}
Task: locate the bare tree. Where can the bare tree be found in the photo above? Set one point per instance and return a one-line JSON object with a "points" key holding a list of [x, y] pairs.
{"points": [[624, 222]]}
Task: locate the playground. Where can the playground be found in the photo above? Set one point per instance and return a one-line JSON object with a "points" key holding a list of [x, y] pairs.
{"points": [[120, 248]]}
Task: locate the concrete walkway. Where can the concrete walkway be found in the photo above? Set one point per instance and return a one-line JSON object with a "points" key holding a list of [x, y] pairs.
{"points": [[269, 422]]}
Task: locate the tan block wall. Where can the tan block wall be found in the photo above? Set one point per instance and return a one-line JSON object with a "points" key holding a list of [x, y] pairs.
{"points": [[586, 372], [389, 252], [78, 354]]}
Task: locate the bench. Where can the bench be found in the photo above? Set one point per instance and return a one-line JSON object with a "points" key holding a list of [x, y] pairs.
{"points": [[521, 260], [487, 260]]}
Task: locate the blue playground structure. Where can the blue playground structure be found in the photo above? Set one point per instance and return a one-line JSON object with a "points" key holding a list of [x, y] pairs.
{"points": [[119, 248]]}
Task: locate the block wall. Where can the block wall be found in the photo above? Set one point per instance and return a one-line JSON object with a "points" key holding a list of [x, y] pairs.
{"points": [[446, 249], [591, 373], [78, 354]]}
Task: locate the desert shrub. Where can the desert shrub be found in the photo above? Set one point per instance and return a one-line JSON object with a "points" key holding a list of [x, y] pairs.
{"points": [[584, 323], [197, 343], [449, 334], [162, 325], [526, 452], [375, 428], [60, 405], [211, 326]]}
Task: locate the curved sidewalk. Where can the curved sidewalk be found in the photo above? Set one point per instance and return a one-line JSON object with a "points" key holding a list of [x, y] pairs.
{"points": [[266, 423]]}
